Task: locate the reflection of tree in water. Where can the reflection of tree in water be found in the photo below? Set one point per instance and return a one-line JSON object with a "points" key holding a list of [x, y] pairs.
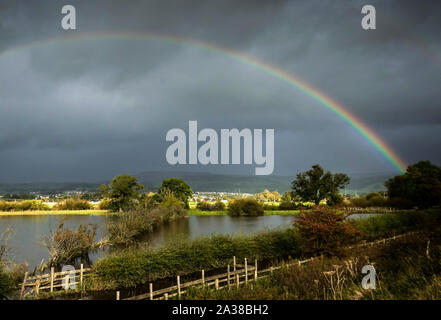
{"points": [[176, 230]]}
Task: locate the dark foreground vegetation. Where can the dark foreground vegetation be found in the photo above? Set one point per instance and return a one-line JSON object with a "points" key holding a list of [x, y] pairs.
{"points": [[409, 268]]}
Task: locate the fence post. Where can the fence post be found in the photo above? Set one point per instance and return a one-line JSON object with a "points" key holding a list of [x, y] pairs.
{"points": [[255, 269], [246, 272], [203, 278], [216, 283], [165, 296], [271, 270], [228, 277], [37, 287], [179, 287], [52, 279], [237, 280], [23, 285], [151, 290], [234, 264], [117, 295], [81, 274]]}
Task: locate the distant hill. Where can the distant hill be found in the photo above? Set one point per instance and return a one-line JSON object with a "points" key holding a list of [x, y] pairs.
{"points": [[202, 181], [47, 187], [209, 182]]}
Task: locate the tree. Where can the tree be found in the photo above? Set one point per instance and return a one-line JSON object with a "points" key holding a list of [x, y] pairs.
{"points": [[178, 187], [122, 192], [316, 185], [325, 231], [419, 186]]}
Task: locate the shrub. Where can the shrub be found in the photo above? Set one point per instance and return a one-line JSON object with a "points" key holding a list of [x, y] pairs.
{"points": [[128, 225], [66, 245], [245, 207], [204, 206], [105, 204], [219, 206], [373, 199], [207, 206], [73, 204], [324, 231]]}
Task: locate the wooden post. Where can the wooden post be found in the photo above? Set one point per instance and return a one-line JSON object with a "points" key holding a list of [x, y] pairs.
{"points": [[203, 277], [179, 287], [237, 280], [234, 264], [81, 275], [37, 287], [216, 283], [117, 295], [23, 285], [52, 279], [67, 285], [246, 272], [271, 270], [151, 290], [255, 269], [228, 277], [165, 296]]}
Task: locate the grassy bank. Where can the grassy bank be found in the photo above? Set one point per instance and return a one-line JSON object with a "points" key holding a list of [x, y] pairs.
{"points": [[386, 225], [129, 269], [406, 269], [135, 267], [55, 212]]}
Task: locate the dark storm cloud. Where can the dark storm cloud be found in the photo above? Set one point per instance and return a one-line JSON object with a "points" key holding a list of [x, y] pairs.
{"points": [[93, 108]]}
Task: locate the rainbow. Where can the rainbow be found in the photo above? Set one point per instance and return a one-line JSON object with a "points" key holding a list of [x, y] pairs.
{"points": [[362, 129]]}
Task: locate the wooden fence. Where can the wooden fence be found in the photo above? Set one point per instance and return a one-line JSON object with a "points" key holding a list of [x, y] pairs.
{"points": [[371, 210], [33, 285], [235, 276]]}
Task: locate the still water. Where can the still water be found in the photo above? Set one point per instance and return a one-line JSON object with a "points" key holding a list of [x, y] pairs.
{"points": [[25, 246]]}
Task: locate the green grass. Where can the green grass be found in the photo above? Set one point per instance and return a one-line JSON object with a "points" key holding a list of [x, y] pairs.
{"points": [[281, 212], [55, 212], [197, 212], [406, 269]]}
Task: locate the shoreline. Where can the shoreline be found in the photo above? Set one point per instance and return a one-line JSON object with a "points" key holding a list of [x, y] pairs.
{"points": [[197, 212], [55, 213]]}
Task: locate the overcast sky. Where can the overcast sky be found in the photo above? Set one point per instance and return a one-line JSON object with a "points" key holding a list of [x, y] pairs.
{"points": [[90, 109]]}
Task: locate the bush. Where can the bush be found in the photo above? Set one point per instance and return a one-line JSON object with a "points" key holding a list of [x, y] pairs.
{"points": [[105, 204], [245, 207], [131, 224], [73, 204], [66, 245], [324, 231], [373, 199], [207, 206], [204, 206]]}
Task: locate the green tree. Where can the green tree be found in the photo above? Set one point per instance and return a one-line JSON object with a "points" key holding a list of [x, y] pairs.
{"points": [[419, 186], [178, 187], [316, 185], [122, 192]]}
